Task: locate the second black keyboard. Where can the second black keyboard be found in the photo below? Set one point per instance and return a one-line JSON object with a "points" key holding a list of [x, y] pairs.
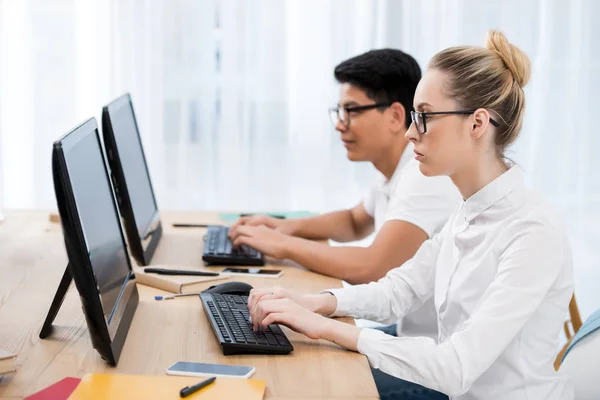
{"points": [[230, 319], [219, 250]]}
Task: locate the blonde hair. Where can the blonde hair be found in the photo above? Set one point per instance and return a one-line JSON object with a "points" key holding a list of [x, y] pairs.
{"points": [[490, 77]]}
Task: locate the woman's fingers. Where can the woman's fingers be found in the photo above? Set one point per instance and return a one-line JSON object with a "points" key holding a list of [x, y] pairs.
{"points": [[257, 294], [266, 307], [276, 318]]}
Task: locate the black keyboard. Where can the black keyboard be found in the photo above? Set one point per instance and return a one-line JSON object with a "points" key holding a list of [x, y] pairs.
{"points": [[218, 250], [229, 316]]}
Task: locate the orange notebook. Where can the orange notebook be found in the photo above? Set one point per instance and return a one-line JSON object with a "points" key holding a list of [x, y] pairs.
{"points": [[147, 387]]}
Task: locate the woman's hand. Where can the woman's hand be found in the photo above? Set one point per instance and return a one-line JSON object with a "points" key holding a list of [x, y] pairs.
{"points": [[319, 303], [287, 312]]}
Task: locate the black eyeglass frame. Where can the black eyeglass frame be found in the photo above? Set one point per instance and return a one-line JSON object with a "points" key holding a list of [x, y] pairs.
{"points": [[423, 114], [336, 111]]}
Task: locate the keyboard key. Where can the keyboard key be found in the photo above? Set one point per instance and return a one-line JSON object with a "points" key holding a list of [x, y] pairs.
{"points": [[271, 339], [282, 340]]}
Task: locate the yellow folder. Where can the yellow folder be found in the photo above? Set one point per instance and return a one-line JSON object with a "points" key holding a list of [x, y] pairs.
{"points": [[146, 387]]}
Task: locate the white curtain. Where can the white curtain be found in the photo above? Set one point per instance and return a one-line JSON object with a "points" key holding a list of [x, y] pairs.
{"points": [[231, 95]]}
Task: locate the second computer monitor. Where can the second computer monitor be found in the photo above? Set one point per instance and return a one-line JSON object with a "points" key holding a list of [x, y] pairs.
{"points": [[131, 178], [135, 195]]}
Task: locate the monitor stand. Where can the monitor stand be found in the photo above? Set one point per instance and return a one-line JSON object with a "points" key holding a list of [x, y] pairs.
{"points": [[61, 292]]}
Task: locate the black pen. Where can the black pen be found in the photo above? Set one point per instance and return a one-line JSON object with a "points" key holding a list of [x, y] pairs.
{"points": [[162, 271], [182, 225], [186, 391]]}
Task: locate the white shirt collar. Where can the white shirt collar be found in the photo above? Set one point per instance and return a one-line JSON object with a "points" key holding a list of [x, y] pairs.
{"points": [[493, 192]]}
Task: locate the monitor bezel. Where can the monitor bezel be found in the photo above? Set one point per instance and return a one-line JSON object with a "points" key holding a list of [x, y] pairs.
{"points": [[153, 227]]}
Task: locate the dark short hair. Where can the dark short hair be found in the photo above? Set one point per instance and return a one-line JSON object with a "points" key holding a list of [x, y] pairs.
{"points": [[385, 75]]}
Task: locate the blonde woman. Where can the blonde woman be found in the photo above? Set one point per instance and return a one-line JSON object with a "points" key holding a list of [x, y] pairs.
{"points": [[500, 271]]}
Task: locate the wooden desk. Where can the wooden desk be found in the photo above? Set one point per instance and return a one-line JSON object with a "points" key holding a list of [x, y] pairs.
{"points": [[32, 260]]}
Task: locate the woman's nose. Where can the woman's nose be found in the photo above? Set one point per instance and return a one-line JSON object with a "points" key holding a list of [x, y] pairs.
{"points": [[411, 133]]}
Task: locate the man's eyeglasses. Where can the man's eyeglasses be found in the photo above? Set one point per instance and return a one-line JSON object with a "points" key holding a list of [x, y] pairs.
{"points": [[342, 114], [420, 118]]}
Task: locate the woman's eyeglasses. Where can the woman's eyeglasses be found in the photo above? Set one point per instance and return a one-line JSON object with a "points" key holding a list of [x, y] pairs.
{"points": [[420, 118]]}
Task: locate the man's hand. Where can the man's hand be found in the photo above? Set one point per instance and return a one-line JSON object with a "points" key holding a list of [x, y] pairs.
{"points": [[278, 224], [266, 240]]}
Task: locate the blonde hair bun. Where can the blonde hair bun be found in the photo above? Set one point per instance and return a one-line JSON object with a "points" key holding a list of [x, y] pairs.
{"points": [[515, 60]]}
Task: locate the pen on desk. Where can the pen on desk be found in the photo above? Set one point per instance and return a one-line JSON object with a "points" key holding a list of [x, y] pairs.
{"points": [[162, 271], [173, 296], [186, 391], [182, 225]]}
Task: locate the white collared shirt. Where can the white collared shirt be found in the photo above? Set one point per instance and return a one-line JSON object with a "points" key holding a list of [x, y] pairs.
{"points": [[500, 273], [425, 202]]}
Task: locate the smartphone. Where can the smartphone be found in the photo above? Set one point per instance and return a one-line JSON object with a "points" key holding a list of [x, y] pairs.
{"points": [[263, 273], [200, 369]]}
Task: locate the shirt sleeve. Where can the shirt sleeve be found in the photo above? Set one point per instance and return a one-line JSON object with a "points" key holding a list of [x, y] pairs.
{"points": [[528, 267], [401, 291], [369, 200], [425, 202]]}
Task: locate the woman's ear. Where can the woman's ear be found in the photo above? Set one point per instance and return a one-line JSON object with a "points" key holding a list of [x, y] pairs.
{"points": [[480, 121]]}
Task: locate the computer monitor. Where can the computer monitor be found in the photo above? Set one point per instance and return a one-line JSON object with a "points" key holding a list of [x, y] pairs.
{"points": [[131, 178], [98, 258], [135, 195]]}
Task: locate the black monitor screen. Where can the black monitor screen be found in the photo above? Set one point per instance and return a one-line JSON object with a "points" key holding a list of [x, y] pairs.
{"points": [[133, 163], [99, 219]]}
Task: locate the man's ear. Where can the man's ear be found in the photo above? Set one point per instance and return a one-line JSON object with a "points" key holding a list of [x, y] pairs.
{"points": [[398, 116], [479, 122]]}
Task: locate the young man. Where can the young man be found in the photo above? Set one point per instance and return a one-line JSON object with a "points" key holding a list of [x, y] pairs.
{"points": [[403, 207]]}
